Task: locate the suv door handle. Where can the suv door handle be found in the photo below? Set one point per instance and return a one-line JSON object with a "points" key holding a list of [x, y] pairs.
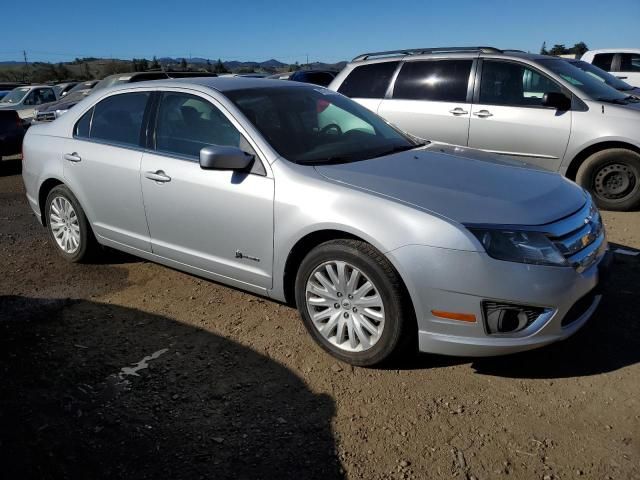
{"points": [[72, 157], [483, 114], [158, 176], [458, 111]]}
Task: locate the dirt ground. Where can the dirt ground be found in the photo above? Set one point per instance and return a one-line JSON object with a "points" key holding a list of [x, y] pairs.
{"points": [[127, 369]]}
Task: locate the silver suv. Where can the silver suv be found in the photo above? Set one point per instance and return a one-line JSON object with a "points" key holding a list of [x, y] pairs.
{"points": [[540, 109]]}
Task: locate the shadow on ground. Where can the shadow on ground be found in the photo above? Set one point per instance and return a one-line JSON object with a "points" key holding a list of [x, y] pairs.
{"points": [[205, 407], [10, 167]]}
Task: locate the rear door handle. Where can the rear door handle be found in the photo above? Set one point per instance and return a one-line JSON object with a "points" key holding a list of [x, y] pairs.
{"points": [[483, 114], [458, 111], [622, 78], [72, 157], [158, 176]]}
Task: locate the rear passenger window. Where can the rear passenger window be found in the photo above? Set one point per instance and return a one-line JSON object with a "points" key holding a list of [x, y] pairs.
{"points": [[83, 127], [440, 80], [117, 119], [368, 81], [187, 123], [603, 60], [630, 62]]}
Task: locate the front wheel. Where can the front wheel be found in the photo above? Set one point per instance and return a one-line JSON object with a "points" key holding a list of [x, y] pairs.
{"points": [[352, 302], [613, 178]]}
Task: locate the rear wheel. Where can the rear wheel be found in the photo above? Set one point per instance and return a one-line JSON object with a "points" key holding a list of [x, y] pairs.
{"points": [[613, 178], [68, 227], [352, 302]]}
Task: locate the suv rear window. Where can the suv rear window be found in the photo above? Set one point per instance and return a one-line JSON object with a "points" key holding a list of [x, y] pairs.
{"points": [[603, 60], [368, 81], [630, 62], [435, 80]]}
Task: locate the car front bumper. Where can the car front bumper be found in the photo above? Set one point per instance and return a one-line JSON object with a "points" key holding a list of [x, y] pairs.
{"points": [[459, 281]]}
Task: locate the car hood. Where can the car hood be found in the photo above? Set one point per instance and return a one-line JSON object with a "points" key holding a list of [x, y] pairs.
{"points": [[63, 104], [464, 185]]}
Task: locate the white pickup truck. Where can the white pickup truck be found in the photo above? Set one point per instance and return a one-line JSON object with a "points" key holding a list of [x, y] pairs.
{"points": [[624, 63]]}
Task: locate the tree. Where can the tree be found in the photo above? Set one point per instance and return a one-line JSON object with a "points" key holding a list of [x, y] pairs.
{"points": [[183, 64], [209, 67], [87, 71], [295, 67], [579, 49], [558, 49], [154, 63], [543, 49], [220, 68], [62, 72]]}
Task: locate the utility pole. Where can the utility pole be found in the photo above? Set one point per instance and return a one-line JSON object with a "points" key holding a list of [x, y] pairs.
{"points": [[307, 60], [26, 66]]}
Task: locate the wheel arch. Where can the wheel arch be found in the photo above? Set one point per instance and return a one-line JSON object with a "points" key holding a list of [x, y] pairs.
{"points": [[579, 159], [43, 193]]}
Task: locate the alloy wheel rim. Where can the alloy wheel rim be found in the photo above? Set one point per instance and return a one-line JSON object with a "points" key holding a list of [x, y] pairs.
{"points": [[345, 306], [615, 181], [64, 225]]}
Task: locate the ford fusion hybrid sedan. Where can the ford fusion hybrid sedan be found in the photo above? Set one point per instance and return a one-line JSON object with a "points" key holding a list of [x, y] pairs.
{"points": [[385, 243]]}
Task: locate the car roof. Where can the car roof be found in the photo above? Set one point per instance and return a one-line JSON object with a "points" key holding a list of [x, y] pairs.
{"points": [[453, 52], [615, 50], [220, 84]]}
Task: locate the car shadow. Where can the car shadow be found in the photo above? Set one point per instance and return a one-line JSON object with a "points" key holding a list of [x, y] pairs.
{"points": [[10, 167], [91, 390]]}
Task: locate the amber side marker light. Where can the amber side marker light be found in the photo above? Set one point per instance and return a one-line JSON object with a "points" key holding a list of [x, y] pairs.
{"points": [[463, 317]]}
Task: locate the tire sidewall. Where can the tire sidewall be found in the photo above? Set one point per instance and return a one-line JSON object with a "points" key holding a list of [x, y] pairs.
{"points": [[595, 163], [393, 307], [79, 254]]}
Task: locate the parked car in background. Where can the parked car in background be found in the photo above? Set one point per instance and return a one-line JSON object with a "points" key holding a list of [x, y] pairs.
{"points": [[294, 192], [12, 129], [606, 77], [53, 111], [24, 100], [63, 88], [50, 112], [624, 63], [3, 93], [539, 109], [316, 77]]}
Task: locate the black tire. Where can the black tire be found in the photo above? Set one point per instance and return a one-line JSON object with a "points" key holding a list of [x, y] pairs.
{"points": [[400, 330], [613, 178], [88, 245]]}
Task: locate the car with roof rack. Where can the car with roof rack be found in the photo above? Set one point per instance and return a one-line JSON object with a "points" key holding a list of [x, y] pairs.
{"points": [[537, 109], [386, 244]]}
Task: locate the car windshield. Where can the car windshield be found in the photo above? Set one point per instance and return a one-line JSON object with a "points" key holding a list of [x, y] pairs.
{"points": [[315, 125], [16, 95], [81, 86], [595, 89], [603, 76]]}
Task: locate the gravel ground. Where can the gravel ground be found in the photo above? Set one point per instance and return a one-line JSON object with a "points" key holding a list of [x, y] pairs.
{"points": [[127, 369]]}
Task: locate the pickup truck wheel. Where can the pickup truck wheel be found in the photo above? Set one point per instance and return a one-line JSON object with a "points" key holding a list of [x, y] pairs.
{"points": [[613, 178], [68, 227], [352, 302]]}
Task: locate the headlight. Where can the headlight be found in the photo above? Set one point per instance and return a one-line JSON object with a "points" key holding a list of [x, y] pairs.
{"points": [[61, 112], [523, 247]]}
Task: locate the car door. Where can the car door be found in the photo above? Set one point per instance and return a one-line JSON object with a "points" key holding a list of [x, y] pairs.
{"points": [[628, 68], [219, 222], [508, 117], [431, 99], [102, 168], [368, 84]]}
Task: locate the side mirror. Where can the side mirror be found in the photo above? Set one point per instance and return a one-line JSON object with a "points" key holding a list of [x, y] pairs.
{"points": [[218, 157], [556, 100]]}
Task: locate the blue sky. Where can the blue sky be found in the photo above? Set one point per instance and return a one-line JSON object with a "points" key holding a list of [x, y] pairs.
{"points": [[289, 30]]}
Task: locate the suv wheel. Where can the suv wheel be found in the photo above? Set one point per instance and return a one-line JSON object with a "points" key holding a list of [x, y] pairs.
{"points": [[68, 227], [352, 303], [613, 177]]}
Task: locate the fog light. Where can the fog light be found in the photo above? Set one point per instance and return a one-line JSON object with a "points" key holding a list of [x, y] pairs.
{"points": [[505, 318]]}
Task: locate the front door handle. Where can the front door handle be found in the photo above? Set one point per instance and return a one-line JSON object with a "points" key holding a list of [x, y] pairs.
{"points": [[158, 176], [72, 157], [458, 111], [622, 78], [483, 114]]}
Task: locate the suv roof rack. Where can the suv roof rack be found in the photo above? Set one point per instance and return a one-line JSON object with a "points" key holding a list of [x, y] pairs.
{"points": [[421, 51]]}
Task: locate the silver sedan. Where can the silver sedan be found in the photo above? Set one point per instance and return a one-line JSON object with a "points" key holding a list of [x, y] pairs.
{"points": [[385, 243]]}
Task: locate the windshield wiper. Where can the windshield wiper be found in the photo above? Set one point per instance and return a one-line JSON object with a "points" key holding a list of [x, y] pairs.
{"points": [[617, 101], [399, 148]]}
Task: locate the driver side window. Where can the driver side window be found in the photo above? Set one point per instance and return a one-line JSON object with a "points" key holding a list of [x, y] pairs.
{"points": [[513, 84], [187, 123]]}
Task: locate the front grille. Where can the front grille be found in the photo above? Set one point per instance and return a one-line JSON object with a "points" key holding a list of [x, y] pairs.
{"points": [[580, 237], [579, 308], [46, 116]]}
